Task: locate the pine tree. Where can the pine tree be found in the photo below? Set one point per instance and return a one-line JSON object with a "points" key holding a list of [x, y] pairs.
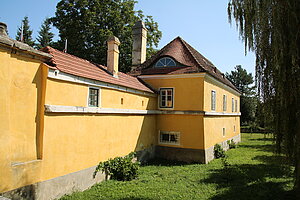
{"points": [[271, 29], [244, 83], [27, 33], [45, 35]]}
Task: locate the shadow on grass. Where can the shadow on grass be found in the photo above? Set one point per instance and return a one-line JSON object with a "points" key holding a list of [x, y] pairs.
{"points": [[274, 160], [254, 181], [266, 139], [266, 147], [135, 198], [248, 181], [164, 162]]}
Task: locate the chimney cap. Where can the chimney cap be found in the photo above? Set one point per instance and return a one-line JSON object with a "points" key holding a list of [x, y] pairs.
{"points": [[3, 29], [113, 39], [139, 24]]}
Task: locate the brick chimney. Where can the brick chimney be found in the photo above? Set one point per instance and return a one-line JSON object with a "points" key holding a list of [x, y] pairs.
{"points": [[113, 55], [3, 29], [139, 34]]}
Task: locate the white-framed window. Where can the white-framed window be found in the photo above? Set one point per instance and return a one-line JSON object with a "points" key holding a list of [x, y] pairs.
{"points": [[224, 132], [213, 100], [94, 96], [165, 62], [224, 102], [235, 105], [232, 102], [169, 137], [166, 97]]}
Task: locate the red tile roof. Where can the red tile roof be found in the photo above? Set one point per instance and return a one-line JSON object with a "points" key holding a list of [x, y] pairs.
{"points": [[79, 67], [190, 59]]}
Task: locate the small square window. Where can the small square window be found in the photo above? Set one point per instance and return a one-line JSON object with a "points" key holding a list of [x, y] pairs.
{"points": [[93, 97], [166, 98]]}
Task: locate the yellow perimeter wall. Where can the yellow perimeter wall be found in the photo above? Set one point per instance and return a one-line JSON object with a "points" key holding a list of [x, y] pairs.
{"points": [[66, 142], [87, 139], [22, 82]]}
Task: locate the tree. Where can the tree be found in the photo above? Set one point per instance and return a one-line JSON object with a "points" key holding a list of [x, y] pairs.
{"points": [[27, 33], [271, 29], [45, 36], [87, 24], [244, 83]]}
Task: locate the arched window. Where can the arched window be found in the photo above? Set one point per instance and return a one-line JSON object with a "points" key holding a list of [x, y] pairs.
{"points": [[165, 62]]}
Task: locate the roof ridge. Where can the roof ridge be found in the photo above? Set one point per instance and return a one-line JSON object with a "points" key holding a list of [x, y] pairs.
{"points": [[204, 58], [184, 44], [74, 65], [103, 67], [61, 52], [209, 63]]}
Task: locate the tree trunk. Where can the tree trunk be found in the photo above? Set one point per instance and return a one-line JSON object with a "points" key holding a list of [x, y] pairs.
{"points": [[297, 161], [297, 150]]}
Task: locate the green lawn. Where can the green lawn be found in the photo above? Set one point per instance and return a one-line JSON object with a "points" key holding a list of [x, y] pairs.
{"points": [[254, 173]]}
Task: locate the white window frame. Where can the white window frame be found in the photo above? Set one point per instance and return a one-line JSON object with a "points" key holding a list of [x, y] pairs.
{"points": [[170, 133], [224, 102], [213, 100], [99, 97], [160, 98], [232, 106]]}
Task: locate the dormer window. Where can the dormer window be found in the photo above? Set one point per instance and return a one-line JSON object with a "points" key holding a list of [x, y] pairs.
{"points": [[165, 62]]}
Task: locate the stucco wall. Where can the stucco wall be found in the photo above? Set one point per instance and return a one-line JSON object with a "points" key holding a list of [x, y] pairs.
{"points": [[71, 94], [213, 125], [189, 126], [213, 129], [188, 96], [37, 147], [188, 92], [86, 139], [221, 90], [76, 142], [21, 86]]}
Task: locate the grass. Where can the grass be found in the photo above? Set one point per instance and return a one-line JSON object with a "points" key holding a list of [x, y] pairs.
{"points": [[254, 172]]}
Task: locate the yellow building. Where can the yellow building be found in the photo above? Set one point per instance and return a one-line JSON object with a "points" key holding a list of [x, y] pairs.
{"points": [[61, 115]]}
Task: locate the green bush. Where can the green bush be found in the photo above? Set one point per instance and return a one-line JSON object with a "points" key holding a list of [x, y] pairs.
{"points": [[120, 168], [219, 151], [231, 144]]}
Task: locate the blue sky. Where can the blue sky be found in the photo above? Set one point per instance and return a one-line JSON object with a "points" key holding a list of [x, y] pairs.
{"points": [[201, 23]]}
